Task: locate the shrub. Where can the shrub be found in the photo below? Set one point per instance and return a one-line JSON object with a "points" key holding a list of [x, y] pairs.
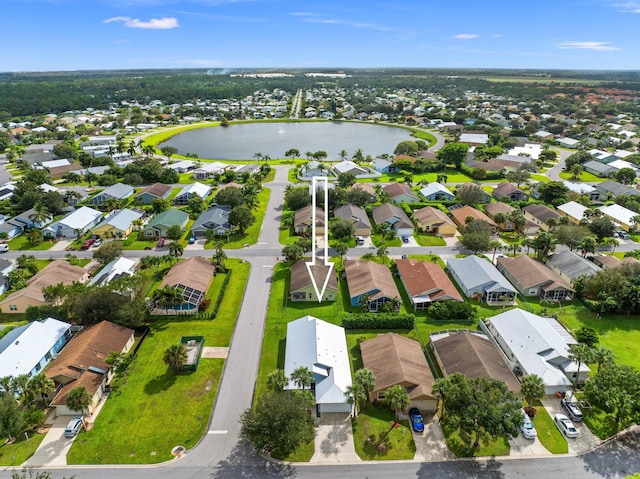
{"points": [[448, 310], [378, 321]]}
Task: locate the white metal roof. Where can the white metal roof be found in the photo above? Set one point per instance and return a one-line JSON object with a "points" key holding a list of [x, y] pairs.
{"points": [[619, 214], [24, 347], [116, 268], [580, 188], [321, 347], [432, 188], [197, 188], [80, 218], [573, 209]]}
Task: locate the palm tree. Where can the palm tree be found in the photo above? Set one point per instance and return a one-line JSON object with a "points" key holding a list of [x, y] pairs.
{"points": [[576, 171], [382, 253], [39, 385], [635, 221], [342, 249], [277, 380], [131, 149], [302, 377], [258, 156], [588, 244], [532, 388], [343, 155], [500, 218], [78, 399], [355, 396], [494, 245], [175, 356], [610, 242], [176, 249], [582, 354], [442, 178], [397, 398], [110, 204], [358, 156], [440, 387], [366, 379], [602, 355], [40, 214]]}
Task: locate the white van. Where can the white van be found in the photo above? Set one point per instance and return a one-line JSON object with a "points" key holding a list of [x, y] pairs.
{"points": [[4, 248]]}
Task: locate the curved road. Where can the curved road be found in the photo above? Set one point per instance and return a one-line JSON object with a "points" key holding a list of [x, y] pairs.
{"points": [[220, 455]]}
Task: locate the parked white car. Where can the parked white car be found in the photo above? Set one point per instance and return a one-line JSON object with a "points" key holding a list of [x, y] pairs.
{"points": [[565, 425], [527, 429]]}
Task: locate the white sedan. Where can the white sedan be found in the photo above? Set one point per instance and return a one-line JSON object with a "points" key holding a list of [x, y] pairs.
{"points": [[565, 425]]}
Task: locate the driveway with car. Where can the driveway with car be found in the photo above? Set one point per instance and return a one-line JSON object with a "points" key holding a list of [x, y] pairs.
{"points": [[431, 445], [585, 441], [54, 447]]}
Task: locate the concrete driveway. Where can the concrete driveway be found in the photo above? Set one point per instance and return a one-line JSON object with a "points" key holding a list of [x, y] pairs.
{"points": [[585, 440], [431, 445], [521, 447], [54, 447], [334, 440]]}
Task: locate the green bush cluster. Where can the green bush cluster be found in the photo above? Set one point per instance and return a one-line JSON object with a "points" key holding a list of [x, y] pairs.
{"points": [[452, 310], [378, 321], [216, 304]]}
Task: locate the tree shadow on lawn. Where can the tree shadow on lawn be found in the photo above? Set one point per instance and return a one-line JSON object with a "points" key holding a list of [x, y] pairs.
{"points": [[245, 462], [160, 383]]}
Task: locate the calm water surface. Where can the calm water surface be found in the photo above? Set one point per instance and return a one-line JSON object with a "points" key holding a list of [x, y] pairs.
{"points": [[242, 142]]}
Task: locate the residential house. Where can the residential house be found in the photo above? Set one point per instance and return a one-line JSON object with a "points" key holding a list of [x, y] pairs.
{"points": [[160, 223], [208, 170], [82, 363], [509, 192], [569, 265], [152, 192], [432, 220], [537, 345], [118, 268], [425, 283], [370, 283], [533, 279], [485, 198], [191, 190], [367, 188], [474, 139], [357, 215], [460, 215], [568, 142], [609, 189], [491, 209], [5, 268], [572, 210], [394, 217], [58, 171], [214, 219], [320, 347], [117, 192], [473, 354], [541, 215], [56, 272], [478, 278], [313, 168], [543, 135], [399, 361], [583, 189], [25, 220], [347, 166], [401, 193], [301, 286], [599, 169], [28, 349], [75, 224], [437, 192], [384, 166], [621, 216], [303, 220], [182, 166], [119, 224], [192, 277]]}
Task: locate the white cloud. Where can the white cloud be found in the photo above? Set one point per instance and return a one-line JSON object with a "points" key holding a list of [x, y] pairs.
{"points": [[596, 46], [153, 24], [497, 35], [316, 18], [628, 7], [465, 36]]}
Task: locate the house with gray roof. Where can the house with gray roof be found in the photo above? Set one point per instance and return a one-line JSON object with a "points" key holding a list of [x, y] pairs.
{"points": [[118, 224], [610, 189], [152, 192], [437, 192], [393, 216], [599, 169], [541, 214], [357, 215], [214, 219], [537, 345], [569, 265], [480, 279], [117, 192]]}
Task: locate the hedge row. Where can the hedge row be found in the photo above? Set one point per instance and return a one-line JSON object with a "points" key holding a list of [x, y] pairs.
{"points": [[223, 288], [378, 321]]}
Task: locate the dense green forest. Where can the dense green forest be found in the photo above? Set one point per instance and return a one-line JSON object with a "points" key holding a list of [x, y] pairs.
{"points": [[24, 94]]}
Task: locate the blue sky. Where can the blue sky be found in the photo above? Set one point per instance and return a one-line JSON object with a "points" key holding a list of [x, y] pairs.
{"points": [[45, 35]]}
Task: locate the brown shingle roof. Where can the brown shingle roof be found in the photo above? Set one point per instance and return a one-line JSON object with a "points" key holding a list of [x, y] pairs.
{"points": [[475, 356], [541, 212], [157, 189], [195, 272], [88, 348], [58, 271], [397, 189], [300, 276], [304, 216], [505, 189], [395, 359], [460, 215], [422, 277], [387, 211], [430, 215], [529, 273], [497, 207], [61, 170], [365, 276]]}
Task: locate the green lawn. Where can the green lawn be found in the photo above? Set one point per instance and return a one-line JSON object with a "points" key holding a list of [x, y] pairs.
{"points": [[153, 408], [286, 237], [133, 243], [379, 241], [600, 423], [541, 178], [453, 176], [488, 447], [21, 242], [377, 437], [585, 176], [429, 240], [21, 450], [549, 435]]}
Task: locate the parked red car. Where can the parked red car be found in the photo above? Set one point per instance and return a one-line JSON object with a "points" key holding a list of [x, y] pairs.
{"points": [[87, 244], [160, 242]]}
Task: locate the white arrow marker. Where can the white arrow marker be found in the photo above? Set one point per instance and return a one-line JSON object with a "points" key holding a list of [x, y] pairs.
{"points": [[314, 194]]}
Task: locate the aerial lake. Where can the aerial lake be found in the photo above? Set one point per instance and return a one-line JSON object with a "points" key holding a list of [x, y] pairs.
{"points": [[243, 141]]}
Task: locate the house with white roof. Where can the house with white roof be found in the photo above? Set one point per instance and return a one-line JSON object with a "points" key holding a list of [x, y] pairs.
{"points": [[532, 150], [182, 166], [583, 189], [347, 166], [118, 224], [437, 192], [537, 345], [115, 269], [477, 277], [207, 170], [474, 139], [574, 211], [189, 191], [620, 215], [568, 142], [320, 347], [28, 349], [78, 221]]}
